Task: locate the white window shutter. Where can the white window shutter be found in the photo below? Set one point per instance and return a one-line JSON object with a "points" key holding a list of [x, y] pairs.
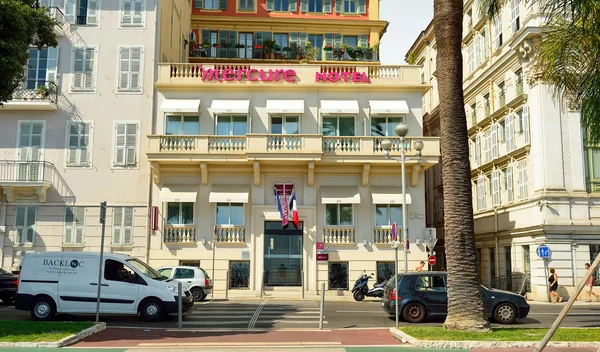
{"points": [[126, 12], [477, 149], [79, 225], [70, 6], [20, 225], [138, 11], [90, 59], [494, 136], [128, 226], [124, 63], [136, 68], [31, 215], [117, 225], [131, 143], [120, 144], [52, 65], [92, 12], [509, 186], [78, 64], [526, 123]]}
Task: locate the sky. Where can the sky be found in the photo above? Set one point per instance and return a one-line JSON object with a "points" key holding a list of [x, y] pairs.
{"points": [[407, 19]]}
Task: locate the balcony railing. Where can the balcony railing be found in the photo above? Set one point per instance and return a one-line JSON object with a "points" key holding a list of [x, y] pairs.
{"points": [[36, 91], [38, 174], [179, 234], [339, 235], [230, 234], [396, 145], [383, 235], [231, 144], [57, 14], [341, 144]]}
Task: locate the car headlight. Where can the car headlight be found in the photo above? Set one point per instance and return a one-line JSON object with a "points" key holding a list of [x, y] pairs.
{"points": [[172, 288]]}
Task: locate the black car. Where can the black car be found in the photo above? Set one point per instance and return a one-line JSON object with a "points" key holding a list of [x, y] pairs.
{"points": [[423, 294], [8, 286]]}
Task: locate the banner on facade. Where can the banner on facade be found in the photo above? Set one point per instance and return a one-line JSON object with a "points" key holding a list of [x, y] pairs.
{"points": [[285, 197]]}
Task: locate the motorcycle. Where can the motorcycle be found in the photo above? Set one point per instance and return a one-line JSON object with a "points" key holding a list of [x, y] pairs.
{"points": [[361, 288]]}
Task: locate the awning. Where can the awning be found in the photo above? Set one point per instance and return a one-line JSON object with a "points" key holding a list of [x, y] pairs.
{"points": [[389, 195], [388, 107], [229, 194], [178, 193], [230, 107], [339, 107], [180, 105], [285, 106], [340, 195]]}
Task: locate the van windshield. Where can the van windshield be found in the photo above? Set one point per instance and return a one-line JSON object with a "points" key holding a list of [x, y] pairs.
{"points": [[145, 269]]}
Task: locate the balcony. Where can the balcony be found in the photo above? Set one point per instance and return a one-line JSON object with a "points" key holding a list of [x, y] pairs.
{"points": [[43, 97], [339, 235], [62, 24], [230, 234], [179, 235], [26, 179]]}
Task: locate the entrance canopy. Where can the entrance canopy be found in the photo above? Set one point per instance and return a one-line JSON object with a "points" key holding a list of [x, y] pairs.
{"points": [[388, 107], [285, 106], [229, 194], [178, 193], [388, 195], [339, 107], [220, 107], [181, 105], [340, 195]]}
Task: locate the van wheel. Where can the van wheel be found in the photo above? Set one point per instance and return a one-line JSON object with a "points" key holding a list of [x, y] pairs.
{"points": [[414, 312], [198, 294], [152, 310], [43, 309]]}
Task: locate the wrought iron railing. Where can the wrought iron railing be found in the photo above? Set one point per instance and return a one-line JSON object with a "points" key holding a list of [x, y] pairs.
{"points": [[57, 14], [37, 91]]}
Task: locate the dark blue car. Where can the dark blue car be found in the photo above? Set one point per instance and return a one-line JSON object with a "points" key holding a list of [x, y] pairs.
{"points": [[423, 294]]}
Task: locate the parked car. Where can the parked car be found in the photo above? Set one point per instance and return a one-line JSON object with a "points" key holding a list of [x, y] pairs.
{"points": [[423, 294], [195, 278], [67, 282], [8, 286]]}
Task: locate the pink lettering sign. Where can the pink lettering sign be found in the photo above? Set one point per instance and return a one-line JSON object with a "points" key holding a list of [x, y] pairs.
{"points": [[356, 77], [229, 75]]}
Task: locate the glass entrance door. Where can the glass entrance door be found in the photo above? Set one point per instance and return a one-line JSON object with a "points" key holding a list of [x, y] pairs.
{"points": [[283, 255]]}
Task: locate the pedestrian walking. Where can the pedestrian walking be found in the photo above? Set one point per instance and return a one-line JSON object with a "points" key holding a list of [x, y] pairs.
{"points": [[553, 280], [589, 286]]}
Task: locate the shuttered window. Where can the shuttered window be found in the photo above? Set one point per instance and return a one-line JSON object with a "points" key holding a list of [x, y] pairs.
{"points": [[494, 137], [82, 12], [497, 40], [510, 132], [122, 226], [523, 191], [83, 69], [133, 13], [130, 69], [481, 193], [25, 224], [126, 144], [74, 232], [78, 148], [496, 188], [525, 123], [509, 184]]}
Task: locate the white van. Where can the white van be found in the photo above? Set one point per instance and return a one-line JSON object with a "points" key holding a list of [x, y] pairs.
{"points": [[67, 282]]}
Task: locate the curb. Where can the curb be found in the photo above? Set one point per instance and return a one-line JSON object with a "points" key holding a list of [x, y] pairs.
{"points": [[405, 338], [69, 340]]}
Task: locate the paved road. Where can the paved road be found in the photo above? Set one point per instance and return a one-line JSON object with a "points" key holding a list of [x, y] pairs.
{"points": [[278, 314]]}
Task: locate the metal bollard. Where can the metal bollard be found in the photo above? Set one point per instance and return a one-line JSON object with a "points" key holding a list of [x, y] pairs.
{"points": [[179, 305], [322, 305], [226, 285]]}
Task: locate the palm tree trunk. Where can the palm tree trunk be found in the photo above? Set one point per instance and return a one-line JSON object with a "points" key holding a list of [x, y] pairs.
{"points": [[465, 305]]}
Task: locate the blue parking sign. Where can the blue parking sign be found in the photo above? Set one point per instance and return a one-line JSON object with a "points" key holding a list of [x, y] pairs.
{"points": [[543, 251]]}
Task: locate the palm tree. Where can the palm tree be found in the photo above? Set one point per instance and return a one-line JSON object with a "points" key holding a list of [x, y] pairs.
{"points": [[465, 304], [568, 54]]}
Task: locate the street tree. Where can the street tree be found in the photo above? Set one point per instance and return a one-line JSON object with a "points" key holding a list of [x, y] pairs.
{"points": [[465, 304], [23, 23]]}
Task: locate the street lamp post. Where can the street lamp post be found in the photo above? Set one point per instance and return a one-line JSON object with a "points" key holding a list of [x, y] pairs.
{"points": [[401, 130]]}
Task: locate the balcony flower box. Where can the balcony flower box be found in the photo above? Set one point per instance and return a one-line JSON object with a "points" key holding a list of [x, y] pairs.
{"points": [[216, 45], [328, 48]]}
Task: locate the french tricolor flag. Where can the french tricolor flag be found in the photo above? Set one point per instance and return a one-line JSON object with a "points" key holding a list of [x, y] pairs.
{"points": [[294, 208]]}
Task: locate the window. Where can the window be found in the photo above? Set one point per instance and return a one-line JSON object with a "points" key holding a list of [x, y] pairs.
{"points": [[338, 276], [182, 125], [510, 132], [494, 138], [487, 144], [122, 226], [385, 271], [117, 271], [316, 41], [316, 5], [130, 69], [246, 5], [194, 263], [495, 188], [509, 184], [522, 169], [338, 215], [74, 225], [246, 40], [527, 267], [350, 6], [25, 224], [508, 268], [350, 41], [181, 273], [286, 124], [486, 104], [497, 32], [133, 14], [126, 144], [82, 12], [519, 81], [502, 130], [338, 126], [481, 193], [516, 23], [471, 58], [84, 62], [230, 214], [208, 4], [180, 213], [41, 67], [78, 146], [525, 123], [231, 125], [476, 50], [501, 94], [384, 126], [239, 275], [281, 39], [430, 283], [281, 5], [30, 146], [478, 150], [386, 214]]}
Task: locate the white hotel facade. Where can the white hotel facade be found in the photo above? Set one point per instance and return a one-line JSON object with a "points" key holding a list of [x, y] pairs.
{"points": [[535, 177]]}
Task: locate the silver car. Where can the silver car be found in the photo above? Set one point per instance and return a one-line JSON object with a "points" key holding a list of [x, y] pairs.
{"points": [[195, 278]]}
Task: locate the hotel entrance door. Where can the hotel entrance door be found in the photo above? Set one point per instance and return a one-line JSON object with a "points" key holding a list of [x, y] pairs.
{"points": [[283, 254]]}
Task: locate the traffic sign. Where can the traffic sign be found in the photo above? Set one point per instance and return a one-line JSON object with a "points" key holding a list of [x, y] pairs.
{"points": [[394, 244], [394, 231], [431, 260], [543, 251]]}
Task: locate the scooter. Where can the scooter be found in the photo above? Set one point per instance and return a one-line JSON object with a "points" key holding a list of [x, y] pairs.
{"points": [[361, 288]]}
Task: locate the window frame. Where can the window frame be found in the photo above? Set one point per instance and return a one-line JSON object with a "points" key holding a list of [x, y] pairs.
{"points": [[229, 215], [231, 116], [496, 188], [125, 165], [515, 15], [90, 146], [497, 27], [133, 25], [129, 89], [338, 215], [522, 166], [388, 215], [180, 213], [19, 239], [337, 127], [121, 242], [281, 3], [76, 9], [284, 118], [239, 8], [94, 73], [387, 122], [315, 6], [349, 3], [481, 194], [181, 123], [74, 226]]}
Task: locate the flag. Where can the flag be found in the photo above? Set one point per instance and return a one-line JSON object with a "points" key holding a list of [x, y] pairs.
{"points": [[278, 201], [294, 208], [284, 210]]}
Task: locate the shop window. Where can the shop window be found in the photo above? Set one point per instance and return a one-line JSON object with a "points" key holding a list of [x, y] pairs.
{"points": [[239, 275], [338, 276], [385, 271]]}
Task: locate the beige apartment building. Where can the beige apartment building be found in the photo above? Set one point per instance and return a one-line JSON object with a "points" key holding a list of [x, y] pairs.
{"points": [[229, 138], [73, 134], [533, 172]]}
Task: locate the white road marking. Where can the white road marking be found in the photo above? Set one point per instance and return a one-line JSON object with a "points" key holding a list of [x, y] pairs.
{"points": [[289, 322], [256, 314], [568, 314], [360, 311]]}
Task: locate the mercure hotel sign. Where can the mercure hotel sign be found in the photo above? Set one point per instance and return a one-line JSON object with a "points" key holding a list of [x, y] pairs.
{"points": [[254, 75]]}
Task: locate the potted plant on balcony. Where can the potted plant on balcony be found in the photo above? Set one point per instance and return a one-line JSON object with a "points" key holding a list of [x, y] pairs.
{"points": [[42, 91], [328, 47], [206, 44], [298, 51], [268, 48], [216, 45]]}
